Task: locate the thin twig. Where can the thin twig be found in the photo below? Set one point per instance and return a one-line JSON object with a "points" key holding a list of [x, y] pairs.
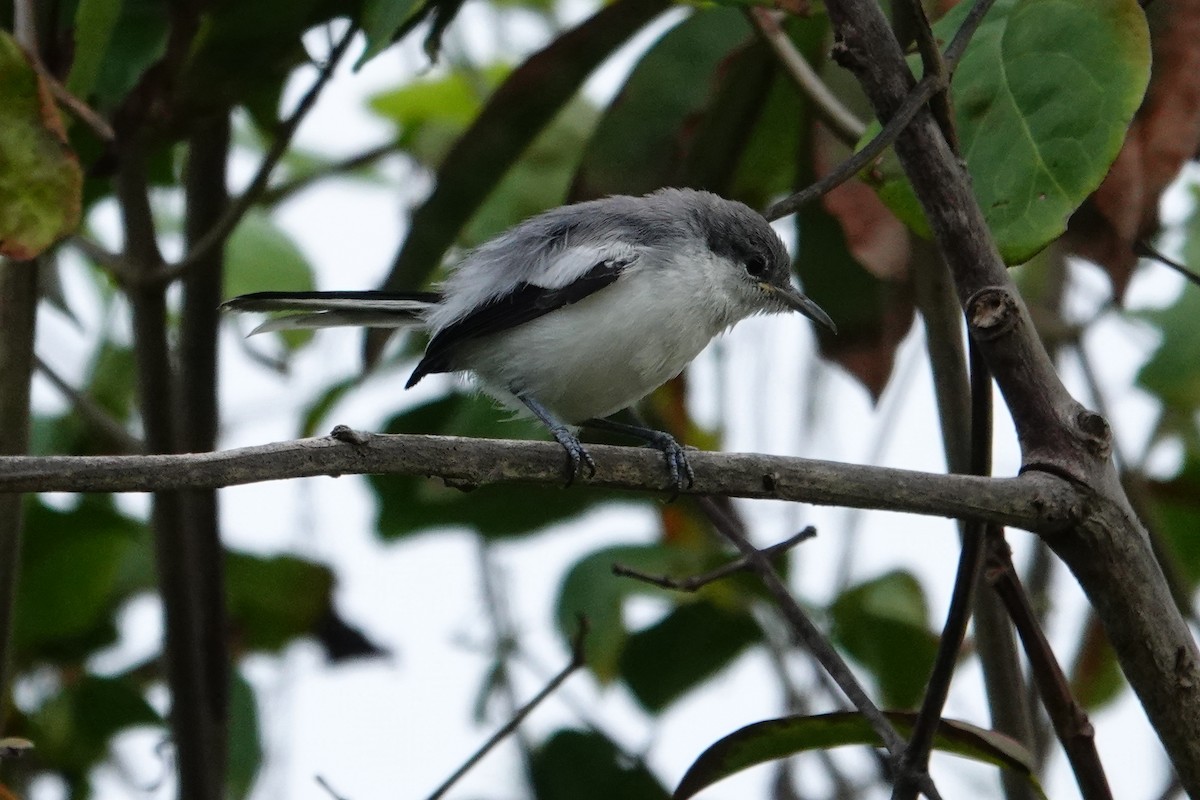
{"points": [[218, 234], [82, 111], [840, 120], [324, 784], [695, 582], [934, 63], [101, 256], [578, 659], [810, 637], [1070, 721], [91, 411], [970, 563], [504, 645], [1143, 249], [925, 89], [284, 191], [916, 100]]}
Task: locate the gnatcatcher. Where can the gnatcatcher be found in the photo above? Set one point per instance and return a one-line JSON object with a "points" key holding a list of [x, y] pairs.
{"points": [[581, 311]]}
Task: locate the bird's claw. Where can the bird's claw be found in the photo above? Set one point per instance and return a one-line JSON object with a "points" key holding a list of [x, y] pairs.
{"points": [[680, 469], [576, 453]]}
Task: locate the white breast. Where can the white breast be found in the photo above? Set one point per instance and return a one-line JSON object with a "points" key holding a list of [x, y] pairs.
{"points": [[609, 350]]}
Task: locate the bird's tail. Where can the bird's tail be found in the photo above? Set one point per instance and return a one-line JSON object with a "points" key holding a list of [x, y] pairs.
{"points": [[309, 310]]}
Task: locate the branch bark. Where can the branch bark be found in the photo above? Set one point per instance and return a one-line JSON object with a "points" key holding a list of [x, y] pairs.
{"points": [[18, 313], [1035, 502], [1108, 550]]}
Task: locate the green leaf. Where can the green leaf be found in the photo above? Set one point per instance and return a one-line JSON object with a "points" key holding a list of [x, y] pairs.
{"points": [[380, 21], [590, 589], [637, 145], [411, 504], [1176, 507], [242, 54], [540, 178], [690, 645], [781, 738], [574, 765], [1042, 100], [95, 21], [884, 625], [40, 179], [245, 738], [110, 384], [259, 257], [275, 600], [1173, 372], [526, 102], [116, 41], [1096, 677], [77, 567], [73, 728]]}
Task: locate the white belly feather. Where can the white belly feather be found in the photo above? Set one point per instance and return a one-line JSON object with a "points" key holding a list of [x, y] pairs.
{"points": [[580, 362]]}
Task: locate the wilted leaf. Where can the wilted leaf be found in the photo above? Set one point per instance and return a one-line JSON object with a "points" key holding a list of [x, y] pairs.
{"points": [[780, 738], [40, 179], [1164, 136]]}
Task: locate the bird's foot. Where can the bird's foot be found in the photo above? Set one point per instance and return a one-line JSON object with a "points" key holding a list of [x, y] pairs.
{"points": [[680, 469], [578, 457]]}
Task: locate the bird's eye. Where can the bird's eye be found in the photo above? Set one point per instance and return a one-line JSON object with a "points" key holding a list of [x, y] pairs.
{"points": [[756, 267]]}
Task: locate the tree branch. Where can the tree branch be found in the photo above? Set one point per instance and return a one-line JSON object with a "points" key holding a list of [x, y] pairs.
{"points": [[18, 315], [841, 120], [1034, 501], [221, 230], [1108, 551]]}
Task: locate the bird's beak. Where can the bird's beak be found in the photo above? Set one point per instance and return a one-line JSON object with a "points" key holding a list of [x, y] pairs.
{"points": [[798, 302]]}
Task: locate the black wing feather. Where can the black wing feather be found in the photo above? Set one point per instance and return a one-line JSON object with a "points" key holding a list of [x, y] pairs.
{"points": [[524, 303]]}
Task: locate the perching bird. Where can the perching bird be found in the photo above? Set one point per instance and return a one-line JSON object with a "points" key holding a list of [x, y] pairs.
{"points": [[581, 311]]}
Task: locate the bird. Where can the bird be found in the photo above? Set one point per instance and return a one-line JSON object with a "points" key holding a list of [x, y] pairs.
{"points": [[580, 311]]}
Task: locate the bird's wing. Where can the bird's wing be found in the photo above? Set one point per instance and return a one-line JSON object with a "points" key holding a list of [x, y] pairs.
{"points": [[526, 301]]}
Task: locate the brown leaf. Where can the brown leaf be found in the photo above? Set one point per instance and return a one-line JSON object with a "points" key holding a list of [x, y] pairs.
{"points": [[878, 312], [1163, 136]]}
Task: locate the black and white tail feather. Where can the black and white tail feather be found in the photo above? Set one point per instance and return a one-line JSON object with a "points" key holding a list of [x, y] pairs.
{"points": [[314, 310]]}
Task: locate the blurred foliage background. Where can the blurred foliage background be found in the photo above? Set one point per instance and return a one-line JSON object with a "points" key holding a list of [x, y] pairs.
{"points": [[484, 133]]}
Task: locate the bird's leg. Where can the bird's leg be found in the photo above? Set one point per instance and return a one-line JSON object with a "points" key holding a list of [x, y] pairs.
{"points": [[682, 476], [563, 435]]}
